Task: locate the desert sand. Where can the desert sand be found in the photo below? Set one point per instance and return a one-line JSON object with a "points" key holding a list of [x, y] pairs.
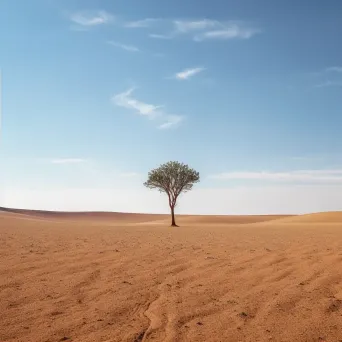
{"points": [[131, 277]]}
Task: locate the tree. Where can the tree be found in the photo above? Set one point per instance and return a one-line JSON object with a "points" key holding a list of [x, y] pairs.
{"points": [[173, 178]]}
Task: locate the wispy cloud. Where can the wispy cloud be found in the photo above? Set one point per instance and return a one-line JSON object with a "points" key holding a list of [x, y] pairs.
{"points": [[125, 47], [153, 112], [171, 121], [334, 69], [206, 29], [187, 73], [328, 71], [195, 25], [148, 22], [126, 100], [89, 19], [67, 161], [327, 77], [233, 32], [160, 36], [288, 176], [329, 84]]}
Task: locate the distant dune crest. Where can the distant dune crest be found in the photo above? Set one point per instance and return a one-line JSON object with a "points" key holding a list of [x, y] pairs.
{"points": [[328, 217]]}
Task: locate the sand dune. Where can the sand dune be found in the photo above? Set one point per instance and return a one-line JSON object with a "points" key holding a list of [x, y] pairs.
{"points": [[118, 277], [327, 217], [83, 216], [128, 218], [231, 219]]}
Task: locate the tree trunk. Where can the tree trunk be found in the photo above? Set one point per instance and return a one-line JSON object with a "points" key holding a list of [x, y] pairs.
{"points": [[173, 224]]}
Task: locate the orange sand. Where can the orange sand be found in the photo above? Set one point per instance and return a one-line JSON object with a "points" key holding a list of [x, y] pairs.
{"points": [[125, 277]]}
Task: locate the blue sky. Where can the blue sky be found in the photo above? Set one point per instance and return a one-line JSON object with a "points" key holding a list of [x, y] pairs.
{"points": [[95, 93]]}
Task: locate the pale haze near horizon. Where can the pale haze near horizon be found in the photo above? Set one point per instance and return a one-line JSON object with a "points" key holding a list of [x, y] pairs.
{"points": [[233, 201]]}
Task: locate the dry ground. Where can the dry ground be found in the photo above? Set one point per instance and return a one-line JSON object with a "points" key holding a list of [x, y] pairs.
{"points": [[124, 277]]}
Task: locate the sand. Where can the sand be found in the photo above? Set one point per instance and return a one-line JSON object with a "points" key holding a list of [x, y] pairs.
{"points": [[123, 277]]}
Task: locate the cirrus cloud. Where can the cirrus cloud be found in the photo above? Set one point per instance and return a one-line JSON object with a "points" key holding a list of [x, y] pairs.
{"points": [[129, 48], [334, 175], [188, 73], [206, 29], [334, 69], [90, 18], [148, 22], [152, 112]]}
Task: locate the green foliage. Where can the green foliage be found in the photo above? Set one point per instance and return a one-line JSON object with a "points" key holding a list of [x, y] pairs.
{"points": [[173, 178]]}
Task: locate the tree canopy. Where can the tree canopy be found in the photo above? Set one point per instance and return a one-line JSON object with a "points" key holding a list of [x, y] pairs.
{"points": [[173, 178]]}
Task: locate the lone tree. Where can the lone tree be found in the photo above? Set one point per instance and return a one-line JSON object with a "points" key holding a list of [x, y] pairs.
{"points": [[173, 178]]}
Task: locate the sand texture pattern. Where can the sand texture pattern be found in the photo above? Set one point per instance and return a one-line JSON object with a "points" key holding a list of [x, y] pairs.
{"points": [[122, 277]]}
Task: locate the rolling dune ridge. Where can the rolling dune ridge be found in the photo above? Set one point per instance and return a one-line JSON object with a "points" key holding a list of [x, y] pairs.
{"points": [[131, 277]]}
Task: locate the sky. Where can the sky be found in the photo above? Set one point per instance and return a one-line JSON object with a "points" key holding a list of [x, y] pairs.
{"points": [[95, 93]]}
